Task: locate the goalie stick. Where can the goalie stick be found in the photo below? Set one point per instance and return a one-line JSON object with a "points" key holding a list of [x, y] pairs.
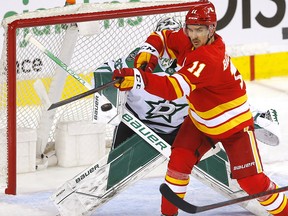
{"points": [[193, 209], [60, 63], [97, 97]]}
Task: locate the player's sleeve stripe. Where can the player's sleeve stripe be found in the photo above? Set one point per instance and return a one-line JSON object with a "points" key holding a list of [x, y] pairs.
{"points": [[176, 86]]}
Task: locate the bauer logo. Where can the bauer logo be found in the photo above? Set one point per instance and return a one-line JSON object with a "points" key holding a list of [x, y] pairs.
{"points": [[96, 107], [87, 173], [244, 166], [144, 131]]}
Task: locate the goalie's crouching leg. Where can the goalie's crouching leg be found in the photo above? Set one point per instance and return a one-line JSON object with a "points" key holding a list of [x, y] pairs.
{"points": [[275, 204]]}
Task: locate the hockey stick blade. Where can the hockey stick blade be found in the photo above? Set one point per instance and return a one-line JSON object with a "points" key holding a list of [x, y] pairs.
{"points": [[193, 209], [84, 94]]}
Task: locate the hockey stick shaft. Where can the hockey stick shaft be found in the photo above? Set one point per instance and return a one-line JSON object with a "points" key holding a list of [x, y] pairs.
{"points": [[60, 63], [82, 95], [192, 209]]}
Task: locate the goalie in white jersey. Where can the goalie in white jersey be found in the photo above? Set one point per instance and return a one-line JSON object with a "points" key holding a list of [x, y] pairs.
{"points": [[162, 116], [165, 117]]}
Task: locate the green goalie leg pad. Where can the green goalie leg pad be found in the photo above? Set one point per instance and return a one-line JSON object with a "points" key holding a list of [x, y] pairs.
{"points": [[136, 153], [215, 166]]}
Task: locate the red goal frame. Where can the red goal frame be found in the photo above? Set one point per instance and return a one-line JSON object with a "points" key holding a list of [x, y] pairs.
{"points": [[11, 62]]}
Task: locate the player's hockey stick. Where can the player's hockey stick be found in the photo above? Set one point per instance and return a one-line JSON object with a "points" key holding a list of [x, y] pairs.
{"points": [[193, 209], [82, 95]]}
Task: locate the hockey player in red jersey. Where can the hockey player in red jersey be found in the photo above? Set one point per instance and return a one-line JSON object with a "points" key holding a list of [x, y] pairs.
{"points": [[218, 107]]}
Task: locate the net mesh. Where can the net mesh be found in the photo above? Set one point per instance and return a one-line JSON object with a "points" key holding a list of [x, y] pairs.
{"points": [[83, 46]]}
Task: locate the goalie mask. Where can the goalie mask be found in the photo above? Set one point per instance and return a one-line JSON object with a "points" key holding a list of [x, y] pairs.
{"points": [[170, 23]]}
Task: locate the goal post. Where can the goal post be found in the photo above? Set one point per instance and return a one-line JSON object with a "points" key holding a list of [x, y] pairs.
{"points": [[83, 36]]}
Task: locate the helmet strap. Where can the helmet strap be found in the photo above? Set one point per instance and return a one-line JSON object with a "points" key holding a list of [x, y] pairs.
{"points": [[211, 30]]}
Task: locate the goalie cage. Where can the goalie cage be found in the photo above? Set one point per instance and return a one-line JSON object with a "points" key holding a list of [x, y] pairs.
{"points": [[117, 29]]}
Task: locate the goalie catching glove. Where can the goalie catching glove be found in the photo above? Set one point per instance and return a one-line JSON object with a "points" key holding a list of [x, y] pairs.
{"points": [[131, 79]]}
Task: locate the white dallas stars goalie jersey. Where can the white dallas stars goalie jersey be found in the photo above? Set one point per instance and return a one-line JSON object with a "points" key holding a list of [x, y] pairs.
{"points": [[160, 115]]}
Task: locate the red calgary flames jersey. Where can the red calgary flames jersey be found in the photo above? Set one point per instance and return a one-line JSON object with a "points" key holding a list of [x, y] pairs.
{"points": [[217, 98]]}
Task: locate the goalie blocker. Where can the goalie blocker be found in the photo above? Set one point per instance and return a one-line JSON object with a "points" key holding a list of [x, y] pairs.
{"points": [[267, 128]]}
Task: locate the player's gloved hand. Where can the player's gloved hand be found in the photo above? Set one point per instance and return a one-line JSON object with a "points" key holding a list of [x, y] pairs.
{"points": [[131, 78], [146, 61]]}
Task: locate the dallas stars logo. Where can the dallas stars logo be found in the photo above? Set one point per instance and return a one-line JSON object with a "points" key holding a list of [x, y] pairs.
{"points": [[163, 109]]}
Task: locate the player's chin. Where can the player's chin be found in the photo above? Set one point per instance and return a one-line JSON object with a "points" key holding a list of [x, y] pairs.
{"points": [[196, 44]]}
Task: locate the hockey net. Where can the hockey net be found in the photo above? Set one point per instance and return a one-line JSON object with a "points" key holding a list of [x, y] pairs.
{"points": [[67, 33]]}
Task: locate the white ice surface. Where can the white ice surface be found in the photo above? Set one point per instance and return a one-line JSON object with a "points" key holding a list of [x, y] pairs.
{"points": [[143, 198]]}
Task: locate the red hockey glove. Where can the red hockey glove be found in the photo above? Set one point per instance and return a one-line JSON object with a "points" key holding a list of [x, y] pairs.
{"points": [[146, 61], [132, 78]]}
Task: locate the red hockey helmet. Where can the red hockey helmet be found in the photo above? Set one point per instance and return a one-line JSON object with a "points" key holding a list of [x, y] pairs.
{"points": [[202, 13]]}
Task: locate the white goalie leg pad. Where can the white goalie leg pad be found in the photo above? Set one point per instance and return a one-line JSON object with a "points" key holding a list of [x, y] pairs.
{"points": [[82, 199], [70, 206], [267, 128], [71, 203]]}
